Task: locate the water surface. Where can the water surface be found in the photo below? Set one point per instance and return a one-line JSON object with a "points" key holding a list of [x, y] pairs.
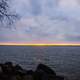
{"points": [[64, 60]]}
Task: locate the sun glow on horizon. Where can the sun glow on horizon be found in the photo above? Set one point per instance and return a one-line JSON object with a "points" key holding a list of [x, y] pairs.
{"points": [[40, 44]]}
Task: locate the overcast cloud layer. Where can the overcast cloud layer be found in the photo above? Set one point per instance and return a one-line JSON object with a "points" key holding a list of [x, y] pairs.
{"points": [[44, 20]]}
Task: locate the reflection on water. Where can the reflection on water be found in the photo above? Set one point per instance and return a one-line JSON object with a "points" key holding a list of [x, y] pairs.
{"points": [[65, 60]]}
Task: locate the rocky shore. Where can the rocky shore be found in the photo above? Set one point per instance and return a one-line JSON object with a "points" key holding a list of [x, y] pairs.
{"points": [[8, 71]]}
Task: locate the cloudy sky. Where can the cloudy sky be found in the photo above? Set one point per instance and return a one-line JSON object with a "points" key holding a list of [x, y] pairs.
{"points": [[44, 20]]}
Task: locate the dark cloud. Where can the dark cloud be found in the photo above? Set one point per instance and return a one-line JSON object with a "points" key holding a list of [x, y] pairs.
{"points": [[36, 7]]}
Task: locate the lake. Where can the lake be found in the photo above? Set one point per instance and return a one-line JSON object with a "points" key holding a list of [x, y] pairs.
{"points": [[64, 60]]}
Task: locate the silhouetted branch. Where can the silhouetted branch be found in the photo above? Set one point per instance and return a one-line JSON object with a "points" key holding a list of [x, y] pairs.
{"points": [[5, 15]]}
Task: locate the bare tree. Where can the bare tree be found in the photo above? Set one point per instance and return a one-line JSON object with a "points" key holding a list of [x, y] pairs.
{"points": [[5, 15]]}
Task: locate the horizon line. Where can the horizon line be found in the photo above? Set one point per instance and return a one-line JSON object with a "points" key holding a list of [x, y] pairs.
{"points": [[39, 44]]}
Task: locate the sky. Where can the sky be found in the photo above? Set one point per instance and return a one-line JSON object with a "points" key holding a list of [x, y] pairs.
{"points": [[44, 21]]}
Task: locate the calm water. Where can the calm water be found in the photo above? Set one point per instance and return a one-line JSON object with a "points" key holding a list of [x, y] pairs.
{"points": [[64, 60]]}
